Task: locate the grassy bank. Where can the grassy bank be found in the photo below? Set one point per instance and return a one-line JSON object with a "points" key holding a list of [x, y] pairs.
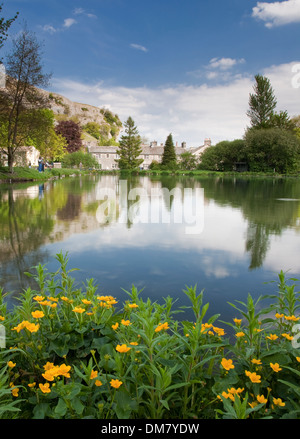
{"points": [[71, 353], [21, 174], [29, 174]]}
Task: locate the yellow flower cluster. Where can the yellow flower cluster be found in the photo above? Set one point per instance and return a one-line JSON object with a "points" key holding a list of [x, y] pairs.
{"points": [[162, 326], [52, 371], [25, 324], [107, 301]]}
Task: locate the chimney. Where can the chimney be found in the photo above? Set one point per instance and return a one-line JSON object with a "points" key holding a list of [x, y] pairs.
{"points": [[183, 145]]}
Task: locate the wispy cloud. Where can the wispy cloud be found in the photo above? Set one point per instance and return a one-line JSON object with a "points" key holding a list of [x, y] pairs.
{"points": [[68, 22], [277, 13], [139, 47], [219, 69], [81, 11]]}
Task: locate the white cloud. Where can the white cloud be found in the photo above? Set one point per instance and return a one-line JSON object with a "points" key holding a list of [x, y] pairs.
{"points": [[68, 22], [81, 11], [190, 112], [139, 47], [277, 13], [224, 63], [49, 28]]}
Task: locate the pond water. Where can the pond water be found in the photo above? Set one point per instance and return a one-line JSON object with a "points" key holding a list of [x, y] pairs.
{"points": [[227, 235]]}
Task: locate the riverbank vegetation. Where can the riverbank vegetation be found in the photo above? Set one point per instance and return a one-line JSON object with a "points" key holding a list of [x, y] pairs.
{"points": [[70, 353]]}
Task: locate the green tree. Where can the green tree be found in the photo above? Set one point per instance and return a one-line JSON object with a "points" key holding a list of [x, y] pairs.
{"points": [[188, 161], [262, 103], [169, 159], [270, 149], [21, 97], [129, 148], [223, 156]]}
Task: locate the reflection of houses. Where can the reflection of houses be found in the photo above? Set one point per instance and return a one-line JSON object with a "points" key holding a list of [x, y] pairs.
{"points": [[106, 155], [24, 156]]}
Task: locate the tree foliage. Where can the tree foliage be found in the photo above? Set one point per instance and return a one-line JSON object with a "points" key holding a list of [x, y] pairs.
{"points": [[5, 25], [71, 131], [21, 98], [129, 148], [262, 102], [169, 159], [270, 149], [224, 156]]}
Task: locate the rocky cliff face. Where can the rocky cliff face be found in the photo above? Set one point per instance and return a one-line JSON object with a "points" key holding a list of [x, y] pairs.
{"points": [[65, 109]]}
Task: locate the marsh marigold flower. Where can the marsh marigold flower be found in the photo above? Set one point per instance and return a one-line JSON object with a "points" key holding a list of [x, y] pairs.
{"points": [[125, 322], [45, 388], [288, 336], [115, 326], [275, 367], [253, 376], [78, 309], [240, 334], [261, 399], [272, 337], [133, 305], [94, 374], [278, 401], [37, 314], [122, 348], [237, 321], [254, 361], [11, 364], [162, 326], [115, 383], [227, 364], [98, 383]]}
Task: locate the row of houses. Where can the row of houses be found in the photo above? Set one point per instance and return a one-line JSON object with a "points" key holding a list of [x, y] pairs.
{"points": [[152, 152], [107, 155]]}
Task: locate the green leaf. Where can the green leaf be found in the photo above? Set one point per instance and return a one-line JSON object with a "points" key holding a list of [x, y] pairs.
{"points": [[61, 408]]}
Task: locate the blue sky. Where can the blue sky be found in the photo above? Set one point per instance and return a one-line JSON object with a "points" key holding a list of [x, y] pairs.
{"points": [[185, 68]]}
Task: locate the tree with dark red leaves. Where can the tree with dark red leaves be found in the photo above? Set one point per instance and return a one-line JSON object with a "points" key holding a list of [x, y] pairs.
{"points": [[71, 131]]}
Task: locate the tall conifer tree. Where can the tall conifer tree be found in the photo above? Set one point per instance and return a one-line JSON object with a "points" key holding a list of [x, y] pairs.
{"points": [[129, 148], [169, 158]]}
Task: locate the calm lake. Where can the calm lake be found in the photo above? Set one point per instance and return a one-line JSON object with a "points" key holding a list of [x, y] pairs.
{"points": [[227, 235]]}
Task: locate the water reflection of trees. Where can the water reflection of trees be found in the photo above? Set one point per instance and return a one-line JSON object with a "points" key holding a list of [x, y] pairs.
{"points": [[260, 200]]}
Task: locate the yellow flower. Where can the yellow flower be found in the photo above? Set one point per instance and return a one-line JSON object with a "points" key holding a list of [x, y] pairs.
{"points": [[15, 391], [45, 303], [115, 326], [78, 309], [240, 334], [227, 364], [38, 298], [275, 367], [125, 322], [115, 383], [279, 316], [287, 336], [63, 370], [45, 388], [94, 374], [98, 383], [237, 321], [32, 327], [254, 361], [162, 326], [2, 318], [66, 299], [272, 337], [298, 359], [11, 364], [219, 331], [278, 401], [31, 385], [235, 391], [261, 399], [86, 302], [122, 348], [48, 365], [54, 299], [37, 314], [134, 343], [292, 318], [133, 305], [253, 376]]}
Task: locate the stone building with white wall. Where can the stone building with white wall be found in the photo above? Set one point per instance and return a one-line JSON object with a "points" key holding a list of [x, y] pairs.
{"points": [[106, 155]]}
